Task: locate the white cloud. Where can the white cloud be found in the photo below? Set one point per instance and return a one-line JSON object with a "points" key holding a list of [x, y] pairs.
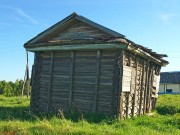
{"points": [[25, 15], [166, 17], [21, 13]]}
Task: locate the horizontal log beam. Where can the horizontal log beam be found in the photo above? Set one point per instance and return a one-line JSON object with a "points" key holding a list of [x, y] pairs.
{"points": [[77, 47]]}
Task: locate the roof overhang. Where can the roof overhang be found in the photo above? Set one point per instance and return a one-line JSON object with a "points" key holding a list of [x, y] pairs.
{"points": [[77, 47], [114, 40], [68, 47], [144, 54]]}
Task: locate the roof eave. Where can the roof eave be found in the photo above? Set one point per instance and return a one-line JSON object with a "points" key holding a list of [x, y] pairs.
{"points": [[77, 47], [144, 54]]}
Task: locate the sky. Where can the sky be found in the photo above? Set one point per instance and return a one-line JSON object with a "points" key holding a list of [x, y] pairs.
{"points": [[152, 23]]}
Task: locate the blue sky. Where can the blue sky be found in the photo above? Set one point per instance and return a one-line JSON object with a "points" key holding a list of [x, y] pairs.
{"points": [[152, 23]]}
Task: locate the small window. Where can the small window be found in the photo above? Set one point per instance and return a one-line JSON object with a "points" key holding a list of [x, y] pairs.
{"points": [[169, 90]]}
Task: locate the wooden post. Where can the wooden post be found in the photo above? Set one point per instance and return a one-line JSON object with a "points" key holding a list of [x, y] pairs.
{"points": [[128, 93], [148, 89], [50, 81], [26, 78], [142, 85], [71, 79], [127, 104], [134, 97], [120, 103], [151, 88], [97, 81], [148, 101], [37, 79], [145, 91], [32, 87]]}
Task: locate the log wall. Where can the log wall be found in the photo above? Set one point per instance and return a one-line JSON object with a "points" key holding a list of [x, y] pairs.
{"points": [[86, 81], [115, 82], [139, 99]]}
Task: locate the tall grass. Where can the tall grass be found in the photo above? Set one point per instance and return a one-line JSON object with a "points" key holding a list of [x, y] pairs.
{"points": [[15, 118]]}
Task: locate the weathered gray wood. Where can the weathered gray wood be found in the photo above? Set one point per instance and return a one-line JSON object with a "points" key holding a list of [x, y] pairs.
{"points": [[50, 81], [151, 88], [97, 81], [87, 81], [134, 97], [142, 89], [36, 81], [120, 102], [71, 79], [32, 100], [79, 30], [93, 83], [128, 93], [146, 88], [79, 47]]}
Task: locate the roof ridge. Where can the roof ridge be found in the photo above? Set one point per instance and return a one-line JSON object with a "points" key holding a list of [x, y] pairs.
{"points": [[68, 18]]}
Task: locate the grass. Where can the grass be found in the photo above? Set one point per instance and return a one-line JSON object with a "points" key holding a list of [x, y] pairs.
{"points": [[15, 119]]}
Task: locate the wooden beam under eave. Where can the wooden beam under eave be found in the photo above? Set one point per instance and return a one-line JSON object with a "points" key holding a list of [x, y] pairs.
{"points": [[146, 55], [77, 47]]}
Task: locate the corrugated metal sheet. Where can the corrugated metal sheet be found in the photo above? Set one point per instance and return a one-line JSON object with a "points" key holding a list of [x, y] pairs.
{"points": [[170, 77]]}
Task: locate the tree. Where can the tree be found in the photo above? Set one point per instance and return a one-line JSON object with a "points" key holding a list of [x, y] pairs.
{"points": [[8, 91], [14, 88], [1, 87], [27, 88]]}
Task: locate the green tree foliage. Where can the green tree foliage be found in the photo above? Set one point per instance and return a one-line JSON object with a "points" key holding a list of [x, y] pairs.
{"points": [[14, 88], [8, 90]]}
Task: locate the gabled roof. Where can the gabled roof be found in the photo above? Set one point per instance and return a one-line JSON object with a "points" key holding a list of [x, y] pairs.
{"points": [[52, 39], [67, 19], [170, 77]]}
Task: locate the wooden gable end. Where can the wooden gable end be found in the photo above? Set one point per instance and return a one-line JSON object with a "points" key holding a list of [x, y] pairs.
{"points": [[80, 30], [75, 30]]}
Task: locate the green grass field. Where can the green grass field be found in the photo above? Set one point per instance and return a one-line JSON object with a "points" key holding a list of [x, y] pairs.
{"points": [[15, 119]]}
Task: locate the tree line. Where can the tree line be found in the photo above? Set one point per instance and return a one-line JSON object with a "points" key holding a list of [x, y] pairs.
{"points": [[14, 88]]}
